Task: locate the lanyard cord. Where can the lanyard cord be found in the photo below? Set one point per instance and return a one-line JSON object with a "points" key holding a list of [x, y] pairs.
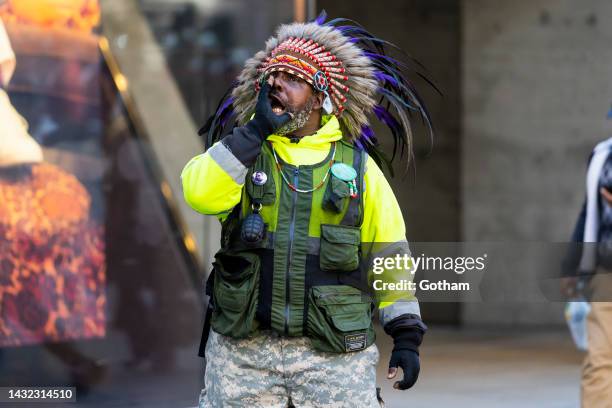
{"points": [[294, 188]]}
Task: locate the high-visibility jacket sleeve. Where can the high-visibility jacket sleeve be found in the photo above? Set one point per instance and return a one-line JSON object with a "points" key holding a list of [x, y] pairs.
{"points": [[383, 235], [382, 219], [213, 181]]}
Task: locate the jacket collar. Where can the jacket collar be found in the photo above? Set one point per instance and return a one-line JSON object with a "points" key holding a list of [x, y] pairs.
{"points": [[327, 133]]}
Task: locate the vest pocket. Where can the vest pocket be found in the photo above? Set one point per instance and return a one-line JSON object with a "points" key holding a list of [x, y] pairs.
{"points": [[339, 249], [335, 195], [339, 319], [235, 293]]}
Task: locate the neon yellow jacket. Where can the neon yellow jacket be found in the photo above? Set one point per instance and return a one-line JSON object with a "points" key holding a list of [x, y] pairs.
{"points": [[213, 183]]}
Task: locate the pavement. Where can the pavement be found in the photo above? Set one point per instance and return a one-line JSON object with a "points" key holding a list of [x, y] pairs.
{"points": [[460, 368], [490, 368]]}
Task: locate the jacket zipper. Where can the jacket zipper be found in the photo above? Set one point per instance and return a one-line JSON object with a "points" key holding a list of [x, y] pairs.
{"points": [[296, 172]]}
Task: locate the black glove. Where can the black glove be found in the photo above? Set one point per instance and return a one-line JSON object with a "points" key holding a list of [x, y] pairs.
{"points": [[407, 331], [266, 121], [245, 142], [405, 355]]}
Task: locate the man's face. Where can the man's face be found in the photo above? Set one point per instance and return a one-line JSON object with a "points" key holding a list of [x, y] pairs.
{"points": [[289, 93], [294, 95]]}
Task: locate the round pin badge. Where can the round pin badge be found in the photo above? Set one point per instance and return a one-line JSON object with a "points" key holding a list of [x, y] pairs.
{"points": [[259, 178], [344, 172]]}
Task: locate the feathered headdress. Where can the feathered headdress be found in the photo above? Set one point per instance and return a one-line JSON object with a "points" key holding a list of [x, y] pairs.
{"points": [[347, 63]]}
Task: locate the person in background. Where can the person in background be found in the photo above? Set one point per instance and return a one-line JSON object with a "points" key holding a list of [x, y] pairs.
{"points": [[591, 261]]}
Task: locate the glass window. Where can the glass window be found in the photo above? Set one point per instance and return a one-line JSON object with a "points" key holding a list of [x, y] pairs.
{"points": [[97, 288]]}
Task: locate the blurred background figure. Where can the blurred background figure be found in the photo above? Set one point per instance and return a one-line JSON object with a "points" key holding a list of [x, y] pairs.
{"points": [[590, 263]]}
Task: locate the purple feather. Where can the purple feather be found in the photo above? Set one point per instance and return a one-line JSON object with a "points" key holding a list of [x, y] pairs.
{"points": [[227, 103], [227, 116], [383, 115], [381, 76], [342, 29], [373, 55], [358, 144], [367, 134], [321, 18], [397, 100]]}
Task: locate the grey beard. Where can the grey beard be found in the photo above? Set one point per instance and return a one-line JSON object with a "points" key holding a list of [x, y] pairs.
{"points": [[300, 118]]}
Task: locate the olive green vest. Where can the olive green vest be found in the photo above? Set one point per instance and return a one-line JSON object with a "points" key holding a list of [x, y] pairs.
{"points": [[303, 278]]}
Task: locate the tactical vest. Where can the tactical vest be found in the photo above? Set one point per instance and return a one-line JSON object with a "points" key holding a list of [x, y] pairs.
{"points": [[304, 277]]}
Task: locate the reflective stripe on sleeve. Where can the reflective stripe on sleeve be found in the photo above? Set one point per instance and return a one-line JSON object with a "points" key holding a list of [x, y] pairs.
{"points": [[399, 308], [228, 162]]}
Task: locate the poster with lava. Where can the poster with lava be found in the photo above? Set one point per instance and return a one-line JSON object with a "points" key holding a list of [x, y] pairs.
{"points": [[52, 248]]}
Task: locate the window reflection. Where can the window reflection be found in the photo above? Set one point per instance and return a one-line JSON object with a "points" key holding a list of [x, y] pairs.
{"points": [[96, 286], [52, 258]]}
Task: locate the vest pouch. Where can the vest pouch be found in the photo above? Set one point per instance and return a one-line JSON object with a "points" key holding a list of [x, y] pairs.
{"points": [[339, 249], [235, 293], [335, 195], [339, 319]]}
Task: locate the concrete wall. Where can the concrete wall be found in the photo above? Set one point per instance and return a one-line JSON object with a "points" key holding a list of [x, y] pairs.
{"points": [[537, 83], [527, 85]]}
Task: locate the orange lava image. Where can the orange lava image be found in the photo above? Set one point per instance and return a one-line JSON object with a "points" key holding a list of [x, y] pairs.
{"points": [[81, 15], [52, 264]]}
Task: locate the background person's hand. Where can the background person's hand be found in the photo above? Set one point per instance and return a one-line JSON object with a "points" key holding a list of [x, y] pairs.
{"points": [[607, 195], [568, 286]]}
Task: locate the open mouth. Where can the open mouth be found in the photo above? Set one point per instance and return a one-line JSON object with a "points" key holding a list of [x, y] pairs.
{"points": [[278, 107]]}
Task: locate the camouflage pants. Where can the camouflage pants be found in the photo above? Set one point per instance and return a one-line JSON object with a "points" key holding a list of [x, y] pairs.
{"points": [[269, 371]]}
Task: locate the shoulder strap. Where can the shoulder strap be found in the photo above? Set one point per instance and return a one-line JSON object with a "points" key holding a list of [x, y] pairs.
{"points": [[266, 193]]}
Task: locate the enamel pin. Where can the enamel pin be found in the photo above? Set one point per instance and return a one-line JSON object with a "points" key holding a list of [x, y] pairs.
{"points": [[259, 178], [346, 173]]}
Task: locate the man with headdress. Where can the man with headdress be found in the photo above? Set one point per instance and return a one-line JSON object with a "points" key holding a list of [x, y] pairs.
{"points": [[304, 208]]}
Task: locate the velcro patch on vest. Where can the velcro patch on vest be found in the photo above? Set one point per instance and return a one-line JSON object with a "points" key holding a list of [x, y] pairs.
{"points": [[355, 342]]}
